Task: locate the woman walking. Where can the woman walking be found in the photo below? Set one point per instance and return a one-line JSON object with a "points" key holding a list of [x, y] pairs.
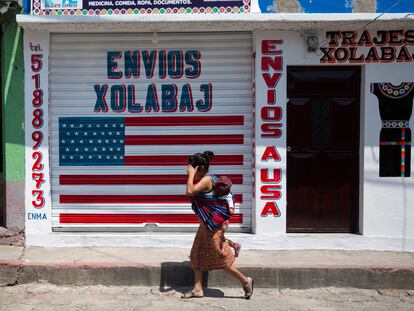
{"points": [[210, 250]]}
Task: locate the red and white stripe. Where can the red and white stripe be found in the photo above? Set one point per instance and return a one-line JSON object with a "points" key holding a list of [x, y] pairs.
{"points": [[119, 187]]}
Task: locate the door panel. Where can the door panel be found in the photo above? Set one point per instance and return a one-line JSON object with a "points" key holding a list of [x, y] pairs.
{"points": [[323, 140], [303, 174]]}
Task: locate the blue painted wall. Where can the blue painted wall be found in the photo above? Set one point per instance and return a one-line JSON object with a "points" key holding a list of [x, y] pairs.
{"points": [[405, 6], [326, 6], [340, 6]]}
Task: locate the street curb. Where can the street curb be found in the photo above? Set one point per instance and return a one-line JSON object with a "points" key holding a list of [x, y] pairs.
{"points": [[179, 274]]}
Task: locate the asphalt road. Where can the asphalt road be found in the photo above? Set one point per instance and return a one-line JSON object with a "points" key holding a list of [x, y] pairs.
{"points": [[45, 296]]}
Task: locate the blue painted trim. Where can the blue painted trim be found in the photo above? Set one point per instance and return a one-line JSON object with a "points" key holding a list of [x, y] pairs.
{"points": [[26, 6]]}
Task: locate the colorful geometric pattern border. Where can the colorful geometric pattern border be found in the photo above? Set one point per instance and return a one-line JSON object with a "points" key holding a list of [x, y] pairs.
{"points": [[395, 124], [236, 9], [401, 143]]}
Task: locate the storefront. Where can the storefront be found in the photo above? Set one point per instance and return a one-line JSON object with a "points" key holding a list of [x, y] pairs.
{"points": [[310, 120]]}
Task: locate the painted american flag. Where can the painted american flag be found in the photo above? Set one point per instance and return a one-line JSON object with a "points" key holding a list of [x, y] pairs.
{"points": [[110, 142]]}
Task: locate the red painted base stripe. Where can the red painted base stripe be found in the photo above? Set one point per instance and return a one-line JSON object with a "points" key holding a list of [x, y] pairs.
{"points": [[133, 179], [129, 199], [136, 218], [184, 121], [176, 160], [139, 140]]}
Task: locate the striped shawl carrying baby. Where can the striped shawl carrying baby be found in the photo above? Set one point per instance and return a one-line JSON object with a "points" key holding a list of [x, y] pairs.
{"points": [[211, 209]]}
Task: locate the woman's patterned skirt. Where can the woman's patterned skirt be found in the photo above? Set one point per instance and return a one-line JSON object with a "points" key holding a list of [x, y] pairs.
{"points": [[210, 250]]}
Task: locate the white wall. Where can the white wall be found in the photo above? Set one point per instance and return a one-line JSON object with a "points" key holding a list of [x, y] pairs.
{"points": [[388, 201], [387, 208]]}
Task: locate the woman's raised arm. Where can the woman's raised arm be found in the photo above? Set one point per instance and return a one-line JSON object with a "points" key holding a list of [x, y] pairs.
{"points": [[203, 185]]}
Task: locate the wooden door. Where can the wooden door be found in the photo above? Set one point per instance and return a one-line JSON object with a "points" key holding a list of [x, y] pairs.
{"points": [[323, 149]]}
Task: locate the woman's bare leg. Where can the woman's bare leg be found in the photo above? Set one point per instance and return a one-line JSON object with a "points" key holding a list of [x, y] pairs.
{"points": [[231, 243], [198, 278], [237, 274]]}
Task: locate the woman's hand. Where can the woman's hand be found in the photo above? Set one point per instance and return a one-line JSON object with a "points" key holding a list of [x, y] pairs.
{"points": [[191, 170]]}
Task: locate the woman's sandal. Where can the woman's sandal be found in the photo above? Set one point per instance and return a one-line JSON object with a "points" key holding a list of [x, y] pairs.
{"points": [[192, 294], [248, 288]]}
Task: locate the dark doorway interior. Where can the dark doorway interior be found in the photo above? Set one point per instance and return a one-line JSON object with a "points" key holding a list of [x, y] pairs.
{"points": [[323, 149]]}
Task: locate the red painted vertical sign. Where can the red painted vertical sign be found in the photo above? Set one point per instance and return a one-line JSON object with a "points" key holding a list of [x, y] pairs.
{"points": [[271, 126], [36, 66]]}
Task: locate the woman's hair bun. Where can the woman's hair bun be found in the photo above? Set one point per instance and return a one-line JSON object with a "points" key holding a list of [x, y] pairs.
{"points": [[208, 155]]}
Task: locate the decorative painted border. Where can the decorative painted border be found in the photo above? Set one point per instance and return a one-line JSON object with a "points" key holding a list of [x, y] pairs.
{"points": [[36, 10]]}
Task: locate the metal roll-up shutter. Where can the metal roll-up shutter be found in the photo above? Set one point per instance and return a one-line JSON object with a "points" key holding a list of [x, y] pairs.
{"points": [[120, 164]]}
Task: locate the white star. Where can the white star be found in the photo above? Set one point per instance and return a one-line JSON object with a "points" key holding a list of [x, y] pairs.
{"points": [[81, 125], [81, 157], [121, 157], [110, 133], [76, 133], [71, 157], [67, 149], [114, 125], [76, 149], [63, 125], [72, 141], [63, 141], [102, 133], [99, 141], [63, 157], [71, 125], [86, 149], [111, 149], [103, 149], [108, 157], [85, 134], [115, 157], [114, 141], [118, 149], [89, 125], [81, 141], [67, 133], [106, 140], [90, 141], [121, 141], [106, 125], [94, 133], [98, 125], [99, 157], [118, 133], [121, 125], [90, 157], [95, 149]]}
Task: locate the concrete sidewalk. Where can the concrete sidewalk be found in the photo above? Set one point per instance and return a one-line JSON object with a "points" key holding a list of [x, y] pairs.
{"points": [[170, 267]]}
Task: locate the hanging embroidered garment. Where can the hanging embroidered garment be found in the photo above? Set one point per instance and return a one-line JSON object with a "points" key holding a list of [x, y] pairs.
{"points": [[211, 209], [395, 106]]}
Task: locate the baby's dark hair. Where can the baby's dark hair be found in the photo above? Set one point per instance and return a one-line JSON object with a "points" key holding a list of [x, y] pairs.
{"points": [[202, 160]]}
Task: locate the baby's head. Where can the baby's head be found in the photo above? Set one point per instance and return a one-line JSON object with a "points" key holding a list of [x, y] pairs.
{"points": [[222, 186]]}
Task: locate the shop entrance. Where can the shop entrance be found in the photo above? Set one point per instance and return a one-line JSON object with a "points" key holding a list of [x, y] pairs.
{"points": [[119, 149], [323, 148]]}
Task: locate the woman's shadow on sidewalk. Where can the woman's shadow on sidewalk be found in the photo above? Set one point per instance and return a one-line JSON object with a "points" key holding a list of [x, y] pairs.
{"points": [[179, 276]]}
